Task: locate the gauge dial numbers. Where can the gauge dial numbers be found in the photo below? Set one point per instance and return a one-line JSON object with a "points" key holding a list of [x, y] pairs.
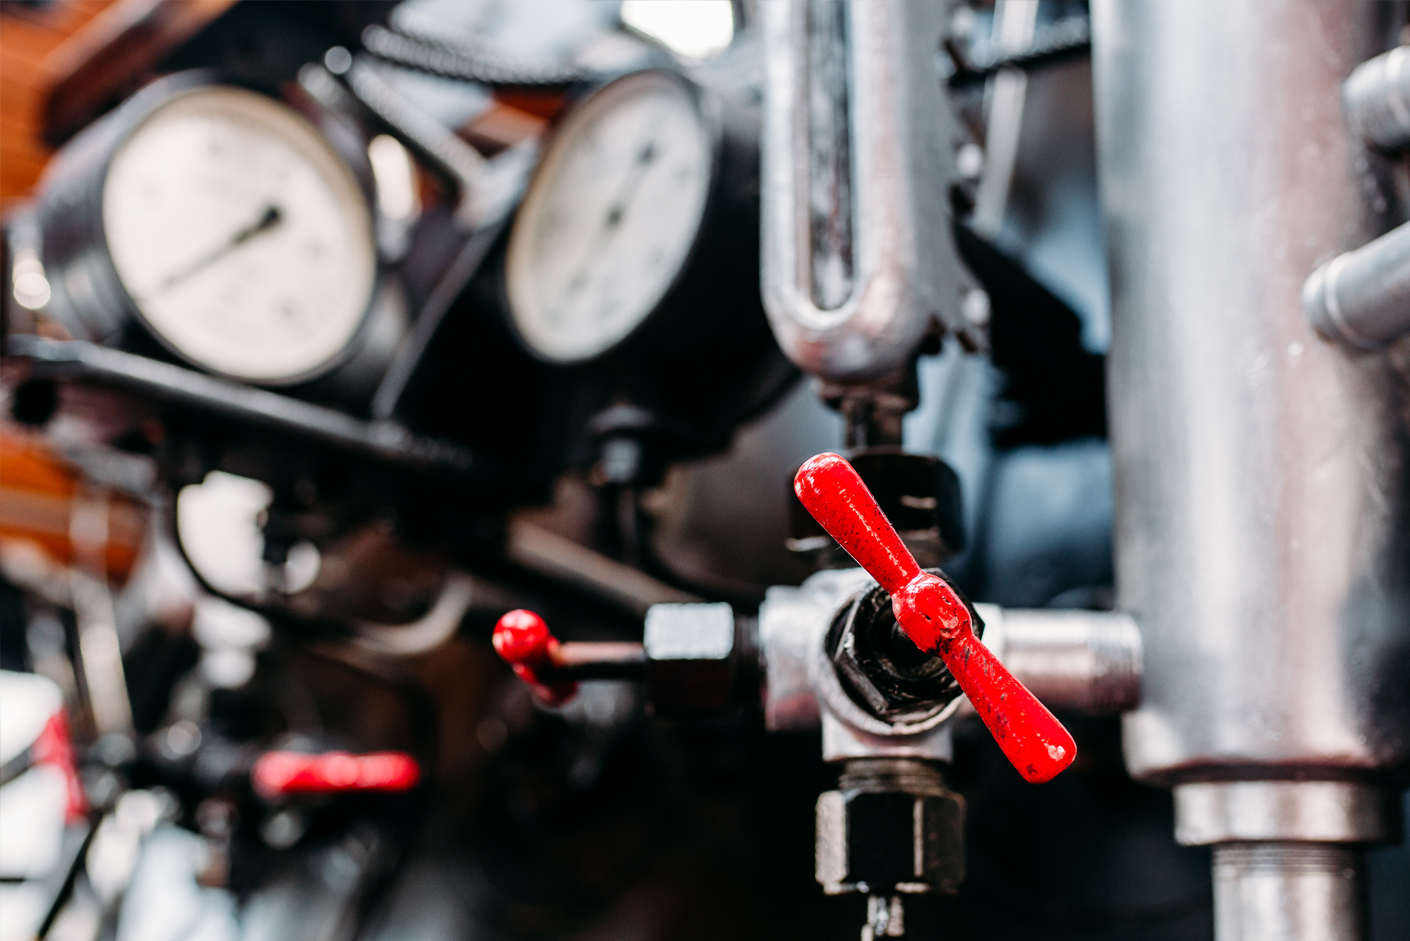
{"points": [[611, 217]]}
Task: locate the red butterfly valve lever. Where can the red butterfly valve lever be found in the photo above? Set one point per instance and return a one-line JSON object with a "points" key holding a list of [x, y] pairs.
{"points": [[934, 618], [278, 774]]}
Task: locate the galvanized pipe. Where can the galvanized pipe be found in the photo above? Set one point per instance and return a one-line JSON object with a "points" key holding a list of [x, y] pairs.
{"points": [[858, 155], [1087, 662], [1276, 891], [1361, 298], [1377, 99], [1263, 501]]}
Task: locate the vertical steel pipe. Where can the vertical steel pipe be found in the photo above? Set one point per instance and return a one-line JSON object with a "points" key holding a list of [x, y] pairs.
{"points": [[1263, 503], [1377, 99], [1275, 891]]}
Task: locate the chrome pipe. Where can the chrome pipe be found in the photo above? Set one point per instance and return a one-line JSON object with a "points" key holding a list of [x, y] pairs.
{"points": [[857, 159], [1087, 662], [1262, 477], [1276, 891], [1377, 100], [1361, 298]]}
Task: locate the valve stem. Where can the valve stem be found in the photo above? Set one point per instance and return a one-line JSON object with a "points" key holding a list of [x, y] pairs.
{"points": [[886, 918]]}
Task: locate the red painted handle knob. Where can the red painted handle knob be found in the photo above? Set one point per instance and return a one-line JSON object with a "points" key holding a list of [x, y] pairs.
{"points": [[934, 618], [522, 639], [280, 773]]}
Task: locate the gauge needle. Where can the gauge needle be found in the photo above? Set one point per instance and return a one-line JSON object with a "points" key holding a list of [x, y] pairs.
{"points": [[270, 218], [615, 211], [618, 209]]}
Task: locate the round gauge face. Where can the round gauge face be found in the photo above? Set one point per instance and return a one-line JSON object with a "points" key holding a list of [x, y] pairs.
{"points": [[241, 236], [610, 217]]}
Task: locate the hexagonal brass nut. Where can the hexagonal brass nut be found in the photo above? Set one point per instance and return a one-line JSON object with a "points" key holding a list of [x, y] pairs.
{"points": [[877, 842]]}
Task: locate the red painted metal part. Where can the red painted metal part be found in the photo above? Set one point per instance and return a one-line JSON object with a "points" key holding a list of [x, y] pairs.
{"points": [[53, 747], [522, 639], [934, 618], [281, 773]]}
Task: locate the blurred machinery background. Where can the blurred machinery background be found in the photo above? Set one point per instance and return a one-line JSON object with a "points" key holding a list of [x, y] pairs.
{"points": [[333, 331]]}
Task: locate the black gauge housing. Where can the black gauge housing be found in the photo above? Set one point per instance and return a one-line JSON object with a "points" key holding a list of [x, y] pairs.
{"points": [[90, 301]]}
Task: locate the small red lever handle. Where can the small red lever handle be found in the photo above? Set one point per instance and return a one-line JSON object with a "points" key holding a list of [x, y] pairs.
{"points": [[934, 618], [280, 773], [522, 639]]}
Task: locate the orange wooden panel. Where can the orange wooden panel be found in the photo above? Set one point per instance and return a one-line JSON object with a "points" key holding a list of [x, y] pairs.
{"points": [[37, 490], [26, 41]]}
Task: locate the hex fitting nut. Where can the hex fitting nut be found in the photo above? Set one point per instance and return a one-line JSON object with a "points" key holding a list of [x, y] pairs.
{"points": [[881, 669], [690, 666], [882, 841]]}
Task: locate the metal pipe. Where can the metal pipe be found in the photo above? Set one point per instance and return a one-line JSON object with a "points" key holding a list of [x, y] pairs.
{"points": [[601, 655], [1362, 298], [1276, 891], [858, 155], [1262, 525], [460, 164], [1377, 99], [386, 441], [1087, 662]]}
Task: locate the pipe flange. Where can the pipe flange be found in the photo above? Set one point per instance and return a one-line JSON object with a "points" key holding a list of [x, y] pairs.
{"points": [[1303, 811]]}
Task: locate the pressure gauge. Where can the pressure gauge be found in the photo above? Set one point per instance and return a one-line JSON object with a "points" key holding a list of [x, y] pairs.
{"points": [[612, 215], [629, 286], [222, 222]]}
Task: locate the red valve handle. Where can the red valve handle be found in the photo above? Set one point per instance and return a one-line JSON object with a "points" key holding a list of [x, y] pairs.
{"points": [[934, 618], [54, 747], [522, 639], [280, 773]]}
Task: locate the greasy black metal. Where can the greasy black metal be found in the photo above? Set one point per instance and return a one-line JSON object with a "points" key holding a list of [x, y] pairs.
{"points": [[881, 669], [383, 440]]}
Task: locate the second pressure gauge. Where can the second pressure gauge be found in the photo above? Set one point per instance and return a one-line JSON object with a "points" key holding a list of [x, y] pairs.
{"points": [[220, 220], [614, 216]]}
